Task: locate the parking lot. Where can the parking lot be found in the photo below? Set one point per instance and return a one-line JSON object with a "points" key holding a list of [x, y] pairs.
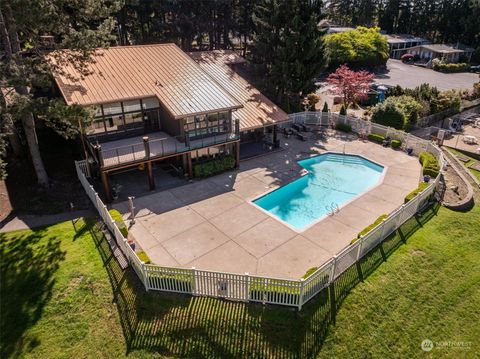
{"points": [[411, 76]]}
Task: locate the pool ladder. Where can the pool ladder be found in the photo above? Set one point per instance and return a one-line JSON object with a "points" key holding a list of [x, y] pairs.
{"points": [[332, 208]]}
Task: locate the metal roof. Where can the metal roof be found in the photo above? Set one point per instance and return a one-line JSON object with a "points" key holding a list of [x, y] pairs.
{"points": [[132, 72], [258, 110]]}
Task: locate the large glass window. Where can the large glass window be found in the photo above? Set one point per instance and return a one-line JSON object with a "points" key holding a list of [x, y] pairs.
{"points": [[130, 106], [150, 102], [212, 123], [96, 127], [112, 108]]}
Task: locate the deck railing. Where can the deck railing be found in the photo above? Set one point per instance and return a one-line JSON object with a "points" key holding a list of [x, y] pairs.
{"points": [[163, 147], [251, 288]]}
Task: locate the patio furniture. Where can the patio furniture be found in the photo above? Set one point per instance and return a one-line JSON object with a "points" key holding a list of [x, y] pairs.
{"points": [[386, 142], [287, 132], [297, 127], [301, 136]]}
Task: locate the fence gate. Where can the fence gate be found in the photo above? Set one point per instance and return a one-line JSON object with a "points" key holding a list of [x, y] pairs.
{"points": [[222, 285]]}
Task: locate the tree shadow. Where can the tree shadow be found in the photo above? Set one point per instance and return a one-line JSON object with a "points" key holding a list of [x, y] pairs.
{"points": [[27, 267], [199, 327]]}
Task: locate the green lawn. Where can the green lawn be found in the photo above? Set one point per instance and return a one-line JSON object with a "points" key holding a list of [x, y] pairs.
{"points": [[467, 164], [64, 296]]}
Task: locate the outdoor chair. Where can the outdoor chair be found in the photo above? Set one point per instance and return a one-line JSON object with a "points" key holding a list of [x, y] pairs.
{"points": [[386, 142]]}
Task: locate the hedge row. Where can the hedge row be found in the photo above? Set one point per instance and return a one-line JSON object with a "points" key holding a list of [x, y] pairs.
{"points": [[376, 138], [450, 67], [429, 163], [117, 217], [396, 143], [379, 139], [420, 188], [213, 167], [344, 127], [370, 227]]}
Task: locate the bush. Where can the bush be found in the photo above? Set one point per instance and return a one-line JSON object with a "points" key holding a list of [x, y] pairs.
{"points": [[411, 195], [117, 217], [325, 107], [360, 47], [441, 66], [213, 166], [376, 138], [429, 163], [344, 127], [343, 110], [397, 112], [396, 143], [388, 114], [370, 227], [143, 257]]}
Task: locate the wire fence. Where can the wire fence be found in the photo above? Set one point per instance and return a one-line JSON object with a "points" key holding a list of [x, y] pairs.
{"points": [[250, 288]]}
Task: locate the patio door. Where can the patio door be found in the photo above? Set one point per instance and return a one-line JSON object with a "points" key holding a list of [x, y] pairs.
{"points": [[152, 121]]}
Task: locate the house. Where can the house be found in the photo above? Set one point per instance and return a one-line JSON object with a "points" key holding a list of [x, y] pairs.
{"points": [[397, 43], [154, 104], [446, 53]]}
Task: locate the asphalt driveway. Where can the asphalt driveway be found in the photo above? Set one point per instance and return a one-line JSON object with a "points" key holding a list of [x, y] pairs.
{"points": [[411, 76]]}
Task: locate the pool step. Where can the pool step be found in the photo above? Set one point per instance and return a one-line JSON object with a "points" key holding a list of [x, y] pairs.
{"points": [[345, 159]]}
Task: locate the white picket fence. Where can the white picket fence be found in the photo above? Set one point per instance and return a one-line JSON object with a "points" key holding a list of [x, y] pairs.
{"points": [[249, 288]]}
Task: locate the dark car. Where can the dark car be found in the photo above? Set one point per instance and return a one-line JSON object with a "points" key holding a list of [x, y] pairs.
{"points": [[475, 69]]}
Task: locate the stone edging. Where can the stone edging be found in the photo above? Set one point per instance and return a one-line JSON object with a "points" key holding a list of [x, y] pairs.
{"points": [[467, 202]]}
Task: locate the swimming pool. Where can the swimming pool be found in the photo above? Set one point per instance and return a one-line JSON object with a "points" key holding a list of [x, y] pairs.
{"points": [[333, 179]]}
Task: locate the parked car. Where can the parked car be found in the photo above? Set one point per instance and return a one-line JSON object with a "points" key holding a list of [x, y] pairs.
{"points": [[407, 58], [475, 69]]}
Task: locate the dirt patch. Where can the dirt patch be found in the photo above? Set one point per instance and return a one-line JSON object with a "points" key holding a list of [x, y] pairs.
{"points": [[455, 188]]}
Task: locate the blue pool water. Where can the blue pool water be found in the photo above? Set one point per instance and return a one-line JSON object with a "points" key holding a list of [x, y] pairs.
{"points": [[332, 178]]}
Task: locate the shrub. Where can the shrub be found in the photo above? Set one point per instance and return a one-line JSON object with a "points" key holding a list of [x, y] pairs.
{"points": [[360, 47], [344, 127], [429, 163], [143, 257], [388, 114], [117, 217], [343, 110], [309, 272], [213, 166], [411, 195], [439, 65], [396, 143], [325, 107], [370, 227], [376, 138]]}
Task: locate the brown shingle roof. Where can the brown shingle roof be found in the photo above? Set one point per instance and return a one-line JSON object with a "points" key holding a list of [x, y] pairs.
{"points": [[131, 72], [257, 110]]}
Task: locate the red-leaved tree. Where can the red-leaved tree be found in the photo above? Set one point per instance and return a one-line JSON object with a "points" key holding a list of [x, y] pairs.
{"points": [[351, 85]]}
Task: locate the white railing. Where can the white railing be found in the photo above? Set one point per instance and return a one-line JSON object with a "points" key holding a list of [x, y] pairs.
{"points": [[249, 288]]}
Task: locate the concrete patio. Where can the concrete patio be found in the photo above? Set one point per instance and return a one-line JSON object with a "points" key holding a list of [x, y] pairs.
{"points": [[212, 224]]}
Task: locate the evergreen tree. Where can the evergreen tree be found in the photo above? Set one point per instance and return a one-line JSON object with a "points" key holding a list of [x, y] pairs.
{"points": [[25, 70], [288, 48]]}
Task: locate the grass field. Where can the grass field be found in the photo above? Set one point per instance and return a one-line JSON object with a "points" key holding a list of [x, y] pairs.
{"points": [[467, 164], [64, 296]]}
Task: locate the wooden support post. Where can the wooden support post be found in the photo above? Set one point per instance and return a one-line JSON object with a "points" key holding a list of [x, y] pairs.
{"points": [[237, 154], [106, 186], [151, 179], [275, 136], [146, 145], [189, 165], [98, 149]]}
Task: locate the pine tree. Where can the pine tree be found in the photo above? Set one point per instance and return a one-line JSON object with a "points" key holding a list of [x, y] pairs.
{"points": [[288, 49], [78, 26]]}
